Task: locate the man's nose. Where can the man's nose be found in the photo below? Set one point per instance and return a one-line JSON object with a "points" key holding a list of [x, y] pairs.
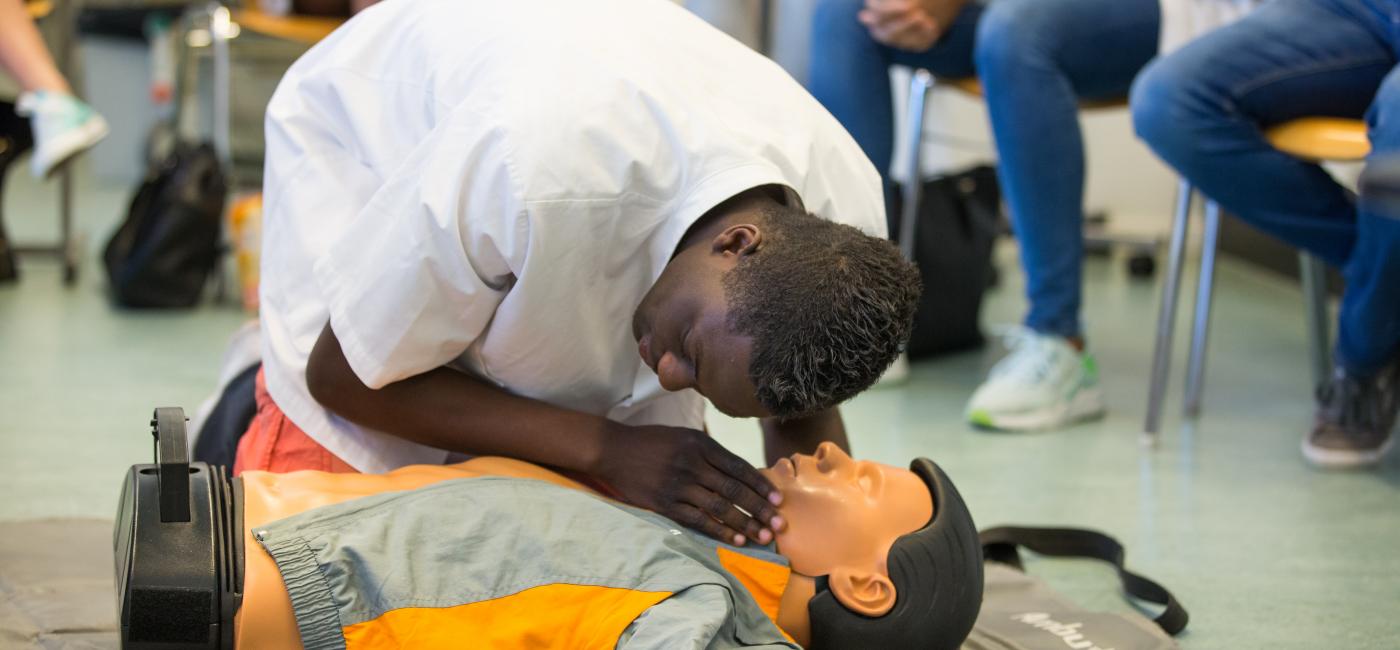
{"points": [[674, 373]]}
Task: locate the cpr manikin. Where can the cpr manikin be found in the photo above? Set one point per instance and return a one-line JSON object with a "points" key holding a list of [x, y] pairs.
{"points": [[863, 542]]}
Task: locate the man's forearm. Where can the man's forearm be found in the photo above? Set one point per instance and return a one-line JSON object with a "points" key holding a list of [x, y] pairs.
{"points": [[450, 410], [802, 435]]}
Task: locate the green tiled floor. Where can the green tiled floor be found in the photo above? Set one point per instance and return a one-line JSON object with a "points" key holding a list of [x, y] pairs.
{"points": [[1265, 552]]}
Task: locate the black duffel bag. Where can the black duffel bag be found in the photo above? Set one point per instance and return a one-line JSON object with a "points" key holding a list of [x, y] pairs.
{"points": [[170, 242], [957, 222]]}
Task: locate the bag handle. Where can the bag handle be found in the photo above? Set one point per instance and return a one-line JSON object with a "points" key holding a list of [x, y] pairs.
{"points": [[173, 463], [1000, 545]]}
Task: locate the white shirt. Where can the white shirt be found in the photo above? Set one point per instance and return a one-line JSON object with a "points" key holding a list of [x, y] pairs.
{"points": [[1183, 20], [493, 186]]}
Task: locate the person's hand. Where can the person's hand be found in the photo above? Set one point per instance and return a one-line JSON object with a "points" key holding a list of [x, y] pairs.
{"points": [[913, 25], [687, 476]]}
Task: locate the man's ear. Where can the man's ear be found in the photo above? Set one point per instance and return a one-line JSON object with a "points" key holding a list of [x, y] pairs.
{"points": [[739, 240], [863, 592]]}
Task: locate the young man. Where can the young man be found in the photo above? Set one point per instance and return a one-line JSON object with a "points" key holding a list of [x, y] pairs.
{"points": [[1037, 59], [480, 215], [1203, 110]]}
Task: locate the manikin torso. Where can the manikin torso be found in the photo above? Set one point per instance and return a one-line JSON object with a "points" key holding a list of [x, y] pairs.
{"points": [[265, 620]]}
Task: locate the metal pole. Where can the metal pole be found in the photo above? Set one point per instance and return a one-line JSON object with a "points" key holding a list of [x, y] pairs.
{"points": [[65, 224], [65, 185], [919, 86], [219, 34], [1313, 273], [1200, 332], [1166, 315]]}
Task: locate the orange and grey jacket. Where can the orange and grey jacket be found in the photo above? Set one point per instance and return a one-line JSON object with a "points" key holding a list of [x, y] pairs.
{"points": [[496, 562]]}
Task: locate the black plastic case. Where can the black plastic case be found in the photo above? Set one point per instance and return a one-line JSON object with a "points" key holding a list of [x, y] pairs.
{"points": [[179, 547]]}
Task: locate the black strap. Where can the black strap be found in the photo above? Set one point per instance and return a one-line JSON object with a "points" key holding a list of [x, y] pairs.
{"points": [[1000, 545]]}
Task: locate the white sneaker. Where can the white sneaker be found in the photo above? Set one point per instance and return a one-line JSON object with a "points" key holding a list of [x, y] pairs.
{"points": [[63, 127], [1043, 383]]}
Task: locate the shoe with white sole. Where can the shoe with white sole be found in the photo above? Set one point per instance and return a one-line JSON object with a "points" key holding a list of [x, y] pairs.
{"points": [[1043, 383], [63, 127], [1354, 421]]}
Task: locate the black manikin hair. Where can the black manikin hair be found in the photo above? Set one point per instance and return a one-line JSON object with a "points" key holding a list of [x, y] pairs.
{"points": [[937, 575]]}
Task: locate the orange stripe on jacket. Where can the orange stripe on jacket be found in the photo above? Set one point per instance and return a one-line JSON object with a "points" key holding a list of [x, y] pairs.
{"points": [[765, 581], [545, 617]]}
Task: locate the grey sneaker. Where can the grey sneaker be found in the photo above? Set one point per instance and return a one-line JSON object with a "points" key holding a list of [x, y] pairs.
{"points": [[1354, 419]]}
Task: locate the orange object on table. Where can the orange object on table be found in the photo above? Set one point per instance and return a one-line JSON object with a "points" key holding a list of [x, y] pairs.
{"points": [[245, 232]]}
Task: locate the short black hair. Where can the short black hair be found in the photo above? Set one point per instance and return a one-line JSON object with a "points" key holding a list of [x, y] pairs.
{"points": [[937, 575], [829, 308]]}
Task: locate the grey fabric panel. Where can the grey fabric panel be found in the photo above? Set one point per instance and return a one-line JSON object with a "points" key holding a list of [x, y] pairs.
{"points": [[57, 587], [1020, 612], [471, 540], [318, 621], [690, 620]]}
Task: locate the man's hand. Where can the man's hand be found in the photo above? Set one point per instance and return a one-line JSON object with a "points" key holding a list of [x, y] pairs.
{"points": [[687, 476], [913, 25]]}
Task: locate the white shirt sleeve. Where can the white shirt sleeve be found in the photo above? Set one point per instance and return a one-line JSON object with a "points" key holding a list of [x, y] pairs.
{"points": [[417, 275]]}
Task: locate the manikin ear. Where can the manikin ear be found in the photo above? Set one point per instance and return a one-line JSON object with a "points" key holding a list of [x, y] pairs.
{"points": [[863, 592], [738, 240]]}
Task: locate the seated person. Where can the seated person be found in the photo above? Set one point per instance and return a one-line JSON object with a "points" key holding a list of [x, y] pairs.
{"points": [[1036, 59], [514, 555], [1292, 59]]}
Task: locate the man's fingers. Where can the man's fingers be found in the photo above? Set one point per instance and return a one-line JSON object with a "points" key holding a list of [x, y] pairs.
{"points": [[890, 6], [726, 462], [722, 509], [755, 508], [692, 517], [742, 485], [902, 30]]}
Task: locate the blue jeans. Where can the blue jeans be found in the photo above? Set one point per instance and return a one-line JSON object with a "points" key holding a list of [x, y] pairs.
{"points": [[1202, 109], [1036, 60]]}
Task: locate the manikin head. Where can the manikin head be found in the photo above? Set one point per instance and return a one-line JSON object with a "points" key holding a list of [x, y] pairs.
{"points": [[768, 310], [894, 551]]}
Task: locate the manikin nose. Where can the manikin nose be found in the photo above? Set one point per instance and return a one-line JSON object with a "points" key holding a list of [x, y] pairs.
{"points": [[825, 457]]}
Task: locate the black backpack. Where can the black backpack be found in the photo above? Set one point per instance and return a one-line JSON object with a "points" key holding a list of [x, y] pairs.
{"points": [[171, 239], [958, 220]]}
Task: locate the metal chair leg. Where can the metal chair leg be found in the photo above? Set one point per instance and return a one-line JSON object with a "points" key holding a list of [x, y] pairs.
{"points": [[1314, 277], [66, 245], [1200, 332], [219, 33], [919, 85], [1166, 316]]}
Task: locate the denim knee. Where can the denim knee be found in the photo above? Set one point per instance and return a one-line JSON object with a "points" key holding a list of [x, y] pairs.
{"points": [[1014, 35], [1162, 113]]}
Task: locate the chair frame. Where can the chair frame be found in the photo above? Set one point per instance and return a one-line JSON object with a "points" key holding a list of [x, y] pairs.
{"points": [[1314, 284]]}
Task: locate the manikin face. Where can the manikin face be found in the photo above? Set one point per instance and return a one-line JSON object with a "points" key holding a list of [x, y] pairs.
{"points": [[842, 518]]}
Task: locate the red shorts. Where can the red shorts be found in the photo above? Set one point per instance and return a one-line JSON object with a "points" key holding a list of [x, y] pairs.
{"points": [[273, 443]]}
